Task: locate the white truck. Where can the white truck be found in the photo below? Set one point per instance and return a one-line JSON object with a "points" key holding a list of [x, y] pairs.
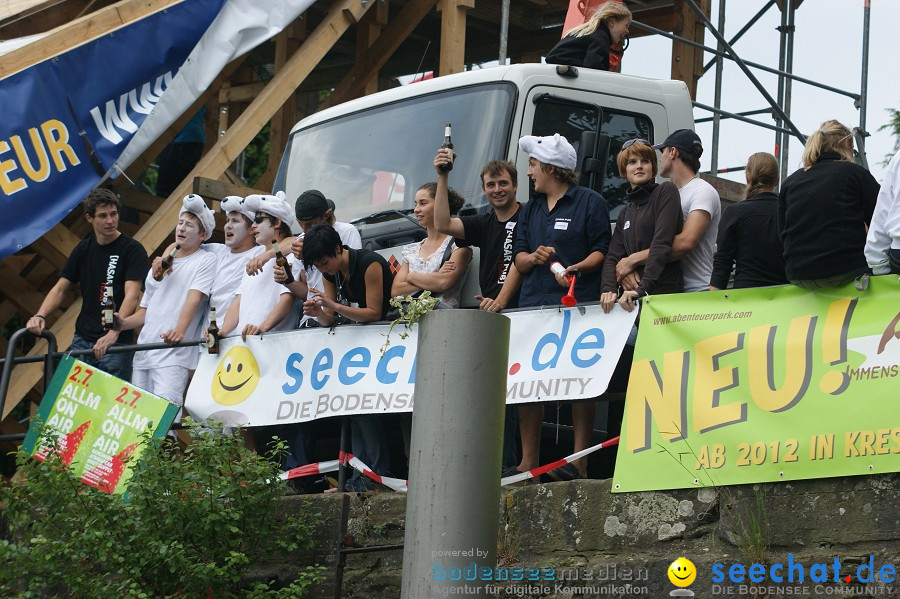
{"points": [[371, 154]]}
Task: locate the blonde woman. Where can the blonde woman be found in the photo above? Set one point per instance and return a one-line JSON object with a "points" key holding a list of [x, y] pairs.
{"points": [[748, 234], [588, 45], [824, 210]]}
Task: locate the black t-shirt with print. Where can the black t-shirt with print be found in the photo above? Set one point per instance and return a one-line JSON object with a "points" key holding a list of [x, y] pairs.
{"points": [[93, 267], [495, 239]]}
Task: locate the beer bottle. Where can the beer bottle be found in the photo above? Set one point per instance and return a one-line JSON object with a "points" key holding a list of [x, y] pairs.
{"points": [[109, 309], [212, 333], [167, 262], [448, 145], [281, 261]]}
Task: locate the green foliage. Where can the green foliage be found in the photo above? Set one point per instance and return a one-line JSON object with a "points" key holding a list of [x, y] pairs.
{"points": [[894, 127], [411, 310], [256, 156], [194, 524]]}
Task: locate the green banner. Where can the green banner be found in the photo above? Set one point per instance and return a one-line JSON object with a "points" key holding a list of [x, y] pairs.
{"points": [[97, 421], [760, 385]]}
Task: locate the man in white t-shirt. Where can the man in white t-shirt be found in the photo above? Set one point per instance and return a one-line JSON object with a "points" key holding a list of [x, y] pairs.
{"points": [[174, 308], [272, 301], [702, 209]]}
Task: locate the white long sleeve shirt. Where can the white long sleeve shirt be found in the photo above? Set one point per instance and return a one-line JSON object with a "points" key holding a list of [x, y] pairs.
{"points": [[884, 232]]}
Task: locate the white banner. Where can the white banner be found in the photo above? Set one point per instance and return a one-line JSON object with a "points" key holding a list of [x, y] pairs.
{"points": [[554, 355]]}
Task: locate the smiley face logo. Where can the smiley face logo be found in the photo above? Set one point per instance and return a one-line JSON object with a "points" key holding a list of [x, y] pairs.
{"points": [[235, 377], [682, 572]]}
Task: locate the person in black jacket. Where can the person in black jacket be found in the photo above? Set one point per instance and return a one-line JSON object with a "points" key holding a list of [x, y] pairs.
{"points": [[748, 234], [824, 210], [588, 45], [650, 220]]}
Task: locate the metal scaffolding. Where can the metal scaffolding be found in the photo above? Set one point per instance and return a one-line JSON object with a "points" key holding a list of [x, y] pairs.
{"points": [[779, 108]]}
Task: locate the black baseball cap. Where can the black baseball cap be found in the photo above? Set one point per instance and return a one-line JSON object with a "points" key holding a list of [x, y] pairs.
{"points": [[683, 139], [312, 203]]}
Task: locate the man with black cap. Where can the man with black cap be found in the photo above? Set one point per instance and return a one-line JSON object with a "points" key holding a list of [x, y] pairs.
{"points": [[313, 208], [702, 209]]}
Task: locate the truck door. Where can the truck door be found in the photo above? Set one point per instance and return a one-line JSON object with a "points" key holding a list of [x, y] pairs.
{"points": [[571, 113]]}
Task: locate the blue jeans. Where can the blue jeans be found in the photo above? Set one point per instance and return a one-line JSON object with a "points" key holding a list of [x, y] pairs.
{"points": [[894, 260], [368, 442], [118, 365]]}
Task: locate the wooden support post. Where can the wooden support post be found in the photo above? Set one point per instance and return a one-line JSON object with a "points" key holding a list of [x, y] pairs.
{"points": [[81, 31], [453, 34], [380, 52], [56, 245], [687, 61], [368, 31], [216, 161]]}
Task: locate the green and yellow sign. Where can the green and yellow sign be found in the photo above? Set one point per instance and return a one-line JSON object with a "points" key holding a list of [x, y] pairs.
{"points": [[96, 421], [761, 385]]}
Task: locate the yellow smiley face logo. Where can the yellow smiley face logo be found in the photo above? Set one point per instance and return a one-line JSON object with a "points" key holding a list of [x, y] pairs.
{"points": [[235, 377], [682, 572]]}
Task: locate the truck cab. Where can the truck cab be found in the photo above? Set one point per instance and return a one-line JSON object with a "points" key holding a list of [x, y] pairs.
{"points": [[370, 155]]}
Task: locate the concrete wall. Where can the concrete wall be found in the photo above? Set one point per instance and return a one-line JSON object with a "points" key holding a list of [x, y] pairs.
{"points": [[628, 540]]}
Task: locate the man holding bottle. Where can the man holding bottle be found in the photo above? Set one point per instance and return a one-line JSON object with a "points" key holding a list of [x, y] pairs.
{"points": [[570, 224], [107, 263]]}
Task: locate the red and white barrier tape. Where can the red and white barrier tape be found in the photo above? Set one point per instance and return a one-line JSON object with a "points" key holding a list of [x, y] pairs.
{"points": [[401, 485]]}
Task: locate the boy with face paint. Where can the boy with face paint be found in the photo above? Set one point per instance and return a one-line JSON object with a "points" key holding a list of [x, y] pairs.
{"points": [[174, 309], [272, 301]]}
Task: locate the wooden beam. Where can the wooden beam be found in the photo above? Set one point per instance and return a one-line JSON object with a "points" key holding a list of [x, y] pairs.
{"points": [[56, 245], [379, 53], [83, 30], [453, 35], [216, 190], [26, 298], [242, 132], [138, 200], [240, 93], [369, 29], [45, 16], [687, 61]]}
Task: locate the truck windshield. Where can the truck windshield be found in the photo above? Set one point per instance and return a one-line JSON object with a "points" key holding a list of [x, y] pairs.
{"points": [[375, 160]]}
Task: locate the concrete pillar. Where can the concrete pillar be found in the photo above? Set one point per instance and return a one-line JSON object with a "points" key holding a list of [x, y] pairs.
{"points": [[455, 451]]}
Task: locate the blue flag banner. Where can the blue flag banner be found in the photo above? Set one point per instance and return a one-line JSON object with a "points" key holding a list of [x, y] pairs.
{"points": [[66, 120]]}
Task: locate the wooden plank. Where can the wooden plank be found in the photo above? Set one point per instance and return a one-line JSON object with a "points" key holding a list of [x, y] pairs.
{"points": [[87, 28], [369, 29], [453, 35], [240, 93], [26, 297], [46, 15], [380, 52], [56, 245], [687, 61], [139, 200], [216, 190]]}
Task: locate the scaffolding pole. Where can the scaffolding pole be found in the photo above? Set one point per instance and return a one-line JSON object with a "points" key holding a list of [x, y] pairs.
{"points": [[717, 100]]}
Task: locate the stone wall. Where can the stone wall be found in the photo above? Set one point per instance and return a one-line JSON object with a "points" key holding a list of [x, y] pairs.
{"points": [[587, 533]]}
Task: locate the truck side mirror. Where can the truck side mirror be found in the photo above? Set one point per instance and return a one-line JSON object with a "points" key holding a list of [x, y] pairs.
{"points": [[593, 154]]}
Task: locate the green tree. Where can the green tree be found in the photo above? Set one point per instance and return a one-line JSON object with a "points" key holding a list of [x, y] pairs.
{"points": [[194, 525], [893, 125]]}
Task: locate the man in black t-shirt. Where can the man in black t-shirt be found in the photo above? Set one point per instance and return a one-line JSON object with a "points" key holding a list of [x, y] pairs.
{"points": [[493, 231], [105, 260]]}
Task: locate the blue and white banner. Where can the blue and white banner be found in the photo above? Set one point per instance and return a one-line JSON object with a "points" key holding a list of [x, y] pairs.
{"points": [[554, 355], [66, 121], [93, 97]]}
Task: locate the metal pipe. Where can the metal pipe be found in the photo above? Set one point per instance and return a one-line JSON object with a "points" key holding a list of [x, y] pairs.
{"points": [[743, 66], [504, 30], [9, 362], [782, 47], [743, 30], [737, 116], [744, 113], [717, 97], [788, 85], [864, 83], [115, 349], [755, 65], [344, 449], [455, 452]]}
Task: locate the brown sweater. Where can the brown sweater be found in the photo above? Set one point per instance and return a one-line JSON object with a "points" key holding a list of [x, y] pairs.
{"points": [[651, 219]]}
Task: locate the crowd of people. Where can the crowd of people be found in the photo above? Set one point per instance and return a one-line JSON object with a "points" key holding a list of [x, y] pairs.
{"points": [[827, 226]]}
